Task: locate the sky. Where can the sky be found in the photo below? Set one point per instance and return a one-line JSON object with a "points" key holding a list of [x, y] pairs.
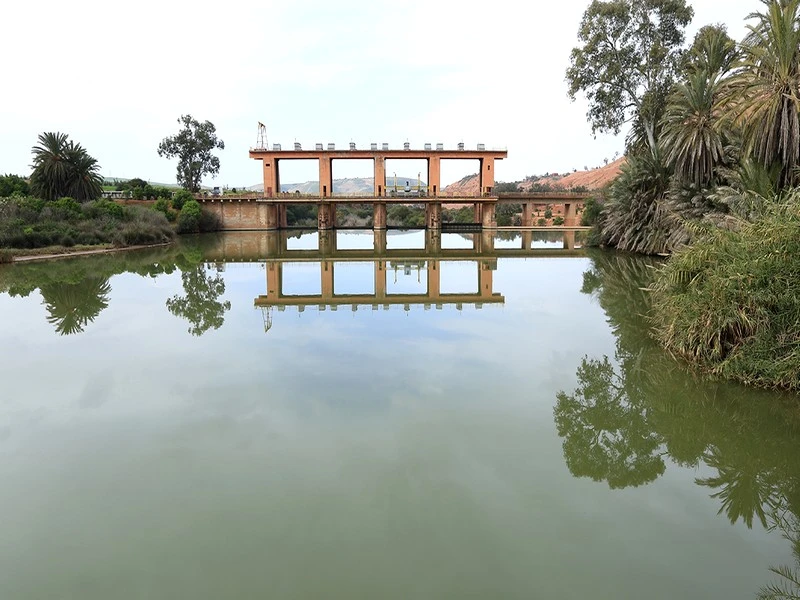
{"points": [[117, 76]]}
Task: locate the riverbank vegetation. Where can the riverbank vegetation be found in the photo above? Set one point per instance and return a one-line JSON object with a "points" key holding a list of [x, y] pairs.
{"points": [[711, 177]]}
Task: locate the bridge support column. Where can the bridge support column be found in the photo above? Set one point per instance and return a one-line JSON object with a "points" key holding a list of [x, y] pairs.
{"points": [[478, 212], [271, 220], [274, 276], [325, 177], [379, 241], [379, 215], [434, 176], [433, 241], [488, 221], [324, 216], [326, 279], [527, 214], [380, 279], [433, 215], [487, 176], [570, 218], [486, 269], [283, 221], [272, 180], [434, 279], [380, 176]]}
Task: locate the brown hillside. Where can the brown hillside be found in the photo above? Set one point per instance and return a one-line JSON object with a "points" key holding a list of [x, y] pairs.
{"points": [[591, 180]]}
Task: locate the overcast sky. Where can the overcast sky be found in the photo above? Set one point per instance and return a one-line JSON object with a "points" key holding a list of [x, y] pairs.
{"points": [[116, 77]]}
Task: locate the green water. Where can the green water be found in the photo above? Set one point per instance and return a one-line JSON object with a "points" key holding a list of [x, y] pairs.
{"points": [[494, 424]]}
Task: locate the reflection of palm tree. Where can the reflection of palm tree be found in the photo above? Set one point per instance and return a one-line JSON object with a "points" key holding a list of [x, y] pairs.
{"points": [[71, 306], [200, 305]]}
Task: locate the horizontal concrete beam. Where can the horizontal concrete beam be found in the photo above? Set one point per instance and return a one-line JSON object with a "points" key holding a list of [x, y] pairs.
{"points": [[376, 154]]}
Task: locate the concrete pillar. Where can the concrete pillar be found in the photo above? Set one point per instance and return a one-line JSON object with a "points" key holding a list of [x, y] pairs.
{"points": [[433, 215], [380, 176], [325, 177], [272, 186], [326, 279], [487, 176], [527, 240], [570, 219], [478, 212], [433, 241], [272, 245], [274, 278], [327, 242], [324, 217], [488, 221], [272, 216], [486, 241], [434, 176], [434, 280], [283, 219], [569, 240], [527, 214], [380, 279], [379, 241], [486, 278], [379, 215]]}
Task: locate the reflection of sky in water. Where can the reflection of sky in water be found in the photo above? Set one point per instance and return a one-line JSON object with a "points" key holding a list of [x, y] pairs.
{"points": [[409, 277], [397, 239], [354, 278], [301, 278], [452, 241], [307, 241], [354, 240], [458, 277]]}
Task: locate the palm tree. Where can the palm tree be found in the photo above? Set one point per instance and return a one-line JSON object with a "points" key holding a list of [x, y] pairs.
{"points": [[85, 181], [72, 306], [51, 170], [694, 132], [765, 93], [63, 168]]}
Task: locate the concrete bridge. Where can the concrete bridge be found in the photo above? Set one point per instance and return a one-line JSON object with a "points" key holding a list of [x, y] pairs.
{"points": [[268, 210]]}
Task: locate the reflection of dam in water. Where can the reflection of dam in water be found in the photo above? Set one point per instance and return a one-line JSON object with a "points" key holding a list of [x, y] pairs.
{"points": [[384, 275]]}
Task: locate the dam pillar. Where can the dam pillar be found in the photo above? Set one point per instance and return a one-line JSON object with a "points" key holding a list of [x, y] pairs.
{"points": [[569, 240], [271, 216], [434, 280], [324, 216], [477, 212], [527, 214], [570, 218], [487, 176], [380, 176], [274, 276], [488, 221], [379, 241], [379, 215], [486, 269], [434, 176], [272, 185], [433, 215], [325, 177], [380, 279], [326, 279]]}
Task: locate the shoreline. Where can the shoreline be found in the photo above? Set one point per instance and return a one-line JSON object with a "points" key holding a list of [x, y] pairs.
{"points": [[57, 255]]}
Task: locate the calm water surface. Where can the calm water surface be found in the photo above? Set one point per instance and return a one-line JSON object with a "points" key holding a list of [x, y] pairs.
{"points": [[358, 416]]}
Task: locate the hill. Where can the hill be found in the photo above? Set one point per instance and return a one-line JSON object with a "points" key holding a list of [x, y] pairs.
{"points": [[591, 180], [350, 185]]}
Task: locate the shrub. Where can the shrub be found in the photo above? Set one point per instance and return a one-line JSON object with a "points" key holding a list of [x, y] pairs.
{"points": [[68, 207], [6, 256], [180, 198], [189, 217], [210, 221], [542, 222], [558, 221], [99, 208], [591, 212]]}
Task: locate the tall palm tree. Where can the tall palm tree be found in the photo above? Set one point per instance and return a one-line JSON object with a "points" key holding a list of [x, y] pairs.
{"points": [[694, 132], [765, 93], [51, 169], [85, 182], [63, 168]]}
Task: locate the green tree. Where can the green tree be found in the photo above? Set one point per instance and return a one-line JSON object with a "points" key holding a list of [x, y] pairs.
{"points": [[63, 168], [765, 93], [11, 185], [630, 51], [192, 146]]}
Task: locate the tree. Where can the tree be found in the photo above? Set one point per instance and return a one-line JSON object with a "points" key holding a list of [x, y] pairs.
{"points": [[765, 93], [11, 185], [694, 133], [630, 52], [63, 168], [192, 146]]}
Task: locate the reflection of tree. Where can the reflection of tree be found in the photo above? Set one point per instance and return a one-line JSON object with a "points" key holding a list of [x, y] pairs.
{"points": [[72, 306], [606, 435], [627, 415], [200, 305]]}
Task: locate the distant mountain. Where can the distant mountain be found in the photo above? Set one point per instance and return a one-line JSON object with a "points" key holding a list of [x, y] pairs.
{"points": [[350, 185]]}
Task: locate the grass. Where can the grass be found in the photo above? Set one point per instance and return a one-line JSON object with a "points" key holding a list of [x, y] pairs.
{"points": [[730, 302]]}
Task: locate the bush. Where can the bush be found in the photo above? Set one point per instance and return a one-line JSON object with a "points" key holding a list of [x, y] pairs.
{"points": [[730, 302], [13, 185], [180, 198], [591, 212], [558, 221], [99, 208], [189, 217], [6, 256], [542, 222]]}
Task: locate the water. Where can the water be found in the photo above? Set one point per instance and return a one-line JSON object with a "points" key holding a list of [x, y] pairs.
{"points": [[457, 417]]}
